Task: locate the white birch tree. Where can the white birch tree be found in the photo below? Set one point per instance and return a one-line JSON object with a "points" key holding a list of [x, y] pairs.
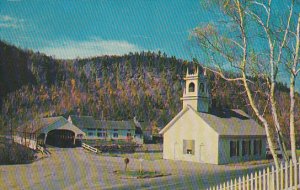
{"points": [[254, 48], [293, 68]]}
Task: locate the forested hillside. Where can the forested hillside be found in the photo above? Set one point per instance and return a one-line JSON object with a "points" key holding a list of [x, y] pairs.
{"points": [[147, 85]]}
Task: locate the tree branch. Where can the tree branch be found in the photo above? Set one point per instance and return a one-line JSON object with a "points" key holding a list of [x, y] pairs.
{"points": [[261, 4]]}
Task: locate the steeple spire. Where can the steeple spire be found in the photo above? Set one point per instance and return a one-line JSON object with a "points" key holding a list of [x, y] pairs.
{"points": [[196, 93]]}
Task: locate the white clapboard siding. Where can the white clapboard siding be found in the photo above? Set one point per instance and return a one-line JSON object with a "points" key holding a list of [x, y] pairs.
{"points": [[286, 177]]}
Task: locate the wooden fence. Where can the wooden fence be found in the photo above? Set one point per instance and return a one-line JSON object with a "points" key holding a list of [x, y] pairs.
{"points": [[286, 177], [88, 147]]}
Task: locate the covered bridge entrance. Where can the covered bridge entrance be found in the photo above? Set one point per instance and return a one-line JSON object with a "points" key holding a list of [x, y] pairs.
{"points": [[62, 133], [61, 138]]}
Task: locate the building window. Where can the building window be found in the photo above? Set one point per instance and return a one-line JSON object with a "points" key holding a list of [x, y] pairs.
{"points": [[99, 134], [257, 147], [90, 134], [115, 135], [191, 87], [128, 134], [189, 147], [246, 148], [234, 148]]}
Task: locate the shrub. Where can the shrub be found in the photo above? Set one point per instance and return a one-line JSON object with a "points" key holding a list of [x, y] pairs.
{"points": [[13, 153]]}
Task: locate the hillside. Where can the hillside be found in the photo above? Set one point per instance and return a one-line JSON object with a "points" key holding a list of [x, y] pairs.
{"points": [[147, 85]]}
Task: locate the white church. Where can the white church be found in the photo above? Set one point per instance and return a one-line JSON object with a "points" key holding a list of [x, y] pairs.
{"points": [[199, 133]]}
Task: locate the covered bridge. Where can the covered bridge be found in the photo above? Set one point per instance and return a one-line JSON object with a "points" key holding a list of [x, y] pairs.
{"points": [[55, 131]]}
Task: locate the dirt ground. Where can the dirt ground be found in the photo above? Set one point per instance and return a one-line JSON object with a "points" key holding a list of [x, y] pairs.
{"points": [[77, 169]]}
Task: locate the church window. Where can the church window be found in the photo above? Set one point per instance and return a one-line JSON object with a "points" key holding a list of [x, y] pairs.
{"points": [[234, 148], [189, 147], [257, 147], [246, 148], [191, 87]]}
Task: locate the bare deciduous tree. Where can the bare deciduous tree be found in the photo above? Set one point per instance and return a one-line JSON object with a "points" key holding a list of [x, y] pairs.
{"points": [[250, 43], [294, 70]]}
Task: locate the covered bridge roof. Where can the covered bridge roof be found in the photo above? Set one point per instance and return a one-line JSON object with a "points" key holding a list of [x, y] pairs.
{"points": [[44, 125]]}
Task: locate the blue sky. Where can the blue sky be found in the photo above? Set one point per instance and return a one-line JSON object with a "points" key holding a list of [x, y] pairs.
{"points": [[68, 29]]}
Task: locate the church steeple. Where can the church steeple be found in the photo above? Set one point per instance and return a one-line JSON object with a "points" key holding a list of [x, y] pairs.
{"points": [[196, 92]]}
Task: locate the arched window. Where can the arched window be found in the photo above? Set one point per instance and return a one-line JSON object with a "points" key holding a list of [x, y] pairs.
{"points": [[201, 87], [191, 87]]}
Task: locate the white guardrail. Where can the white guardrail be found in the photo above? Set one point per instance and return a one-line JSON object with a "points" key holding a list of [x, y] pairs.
{"points": [[90, 148]]}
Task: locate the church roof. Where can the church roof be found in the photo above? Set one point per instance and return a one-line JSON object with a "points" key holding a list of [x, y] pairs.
{"points": [[225, 122], [232, 123]]}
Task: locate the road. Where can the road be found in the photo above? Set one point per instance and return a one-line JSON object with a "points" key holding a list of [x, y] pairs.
{"points": [[77, 169]]}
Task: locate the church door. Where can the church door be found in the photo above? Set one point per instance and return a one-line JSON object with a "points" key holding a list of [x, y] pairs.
{"points": [[200, 152], [176, 151]]}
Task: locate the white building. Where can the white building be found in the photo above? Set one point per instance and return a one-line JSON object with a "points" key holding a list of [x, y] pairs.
{"points": [[202, 134]]}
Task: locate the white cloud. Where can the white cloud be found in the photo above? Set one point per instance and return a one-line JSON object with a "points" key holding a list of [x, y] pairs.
{"points": [[93, 47], [6, 18], [9, 22], [7, 25]]}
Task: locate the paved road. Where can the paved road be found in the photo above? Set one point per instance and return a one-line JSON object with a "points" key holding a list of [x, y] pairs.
{"points": [[78, 169]]}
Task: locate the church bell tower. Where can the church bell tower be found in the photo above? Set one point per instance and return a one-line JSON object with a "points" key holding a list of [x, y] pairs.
{"points": [[196, 92]]}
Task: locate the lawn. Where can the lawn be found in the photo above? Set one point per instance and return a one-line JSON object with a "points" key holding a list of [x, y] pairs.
{"points": [[139, 175], [137, 155]]}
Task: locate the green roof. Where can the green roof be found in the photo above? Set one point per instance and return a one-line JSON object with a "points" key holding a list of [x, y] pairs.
{"points": [[116, 124], [88, 122], [83, 122]]}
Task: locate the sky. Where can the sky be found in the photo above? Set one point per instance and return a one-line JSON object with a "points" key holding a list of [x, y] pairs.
{"points": [[84, 28]]}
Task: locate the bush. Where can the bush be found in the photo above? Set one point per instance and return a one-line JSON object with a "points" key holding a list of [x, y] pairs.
{"points": [[13, 153]]}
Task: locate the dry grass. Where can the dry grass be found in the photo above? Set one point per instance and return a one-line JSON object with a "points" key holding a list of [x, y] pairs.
{"points": [[137, 155], [76, 169], [139, 175], [251, 163]]}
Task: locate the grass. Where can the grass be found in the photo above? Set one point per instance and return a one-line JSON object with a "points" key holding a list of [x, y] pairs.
{"points": [[251, 163], [139, 175], [13, 153], [137, 155]]}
